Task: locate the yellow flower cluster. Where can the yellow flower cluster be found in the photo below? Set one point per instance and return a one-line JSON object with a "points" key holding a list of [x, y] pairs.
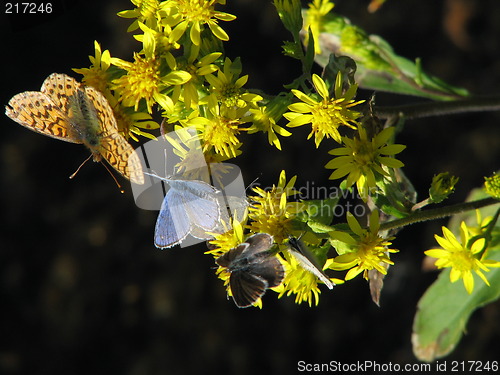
{"points": [[364, 159], [180, 72]]}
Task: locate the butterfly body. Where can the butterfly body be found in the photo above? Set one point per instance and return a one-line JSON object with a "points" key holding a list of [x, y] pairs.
{"points": [[67, 110], [85, 123]]}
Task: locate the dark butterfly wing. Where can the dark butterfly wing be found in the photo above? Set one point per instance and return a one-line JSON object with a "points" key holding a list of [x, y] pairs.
{"points": [[246, 288], [269, 269], [242, 254], [253, 269], [259, 243], [228, 258]]}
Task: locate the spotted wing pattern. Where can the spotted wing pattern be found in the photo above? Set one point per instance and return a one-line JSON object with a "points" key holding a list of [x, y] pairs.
{"points": [[121, 156], [113, 146], [38, 112], [60, 111], [62, 89]]}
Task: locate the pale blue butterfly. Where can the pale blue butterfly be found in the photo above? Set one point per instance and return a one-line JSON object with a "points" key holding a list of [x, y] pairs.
{"points": [[190, 207]]}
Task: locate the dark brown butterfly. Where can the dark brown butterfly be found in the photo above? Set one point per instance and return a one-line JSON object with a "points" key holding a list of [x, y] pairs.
{"points": [[253, 267]]}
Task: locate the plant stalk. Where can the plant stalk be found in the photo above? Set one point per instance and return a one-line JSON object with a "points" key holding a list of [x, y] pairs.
{"points": [[430, 109], [437, 213]]}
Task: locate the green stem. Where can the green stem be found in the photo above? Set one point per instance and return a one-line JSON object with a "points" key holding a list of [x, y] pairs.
{"points": [[420, 110], [437, 213]]}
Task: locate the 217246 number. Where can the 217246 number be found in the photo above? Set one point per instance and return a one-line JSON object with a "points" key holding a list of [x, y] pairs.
{"points": [[28, 8]]}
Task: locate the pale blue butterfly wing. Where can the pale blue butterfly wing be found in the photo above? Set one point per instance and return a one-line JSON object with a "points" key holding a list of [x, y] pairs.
{"points": [[202, 206], [169, 231], [189, 207]]}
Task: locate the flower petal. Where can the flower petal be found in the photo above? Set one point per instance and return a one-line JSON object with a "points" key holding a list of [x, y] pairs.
{"points": [[468, 282], [299, 107], [437, 253], [390, 162], [303, 97], [392, 149], [299, 120], [340, 151], [354, 225], [320, 86], [339, 173], [450, 237], [341, 161], [478, 245]]}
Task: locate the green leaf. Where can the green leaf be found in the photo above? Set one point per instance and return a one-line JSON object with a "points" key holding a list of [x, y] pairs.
{"points": [[397, 194], [309, 57], [378, 66], [320, 228], [343, 64], [320, 252], [321, 211], [445, 308]]}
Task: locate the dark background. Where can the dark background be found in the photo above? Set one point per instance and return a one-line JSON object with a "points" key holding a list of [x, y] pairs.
{"points": [[82, 288]]}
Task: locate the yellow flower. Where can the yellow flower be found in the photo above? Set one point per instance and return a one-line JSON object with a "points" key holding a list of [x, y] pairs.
{"points": [[313, 19], [264, 119], [198, 70], [96, 76], [193, 14], [363, 159], [462, 256], [270, 211], [370, 250], [226, 241], [227, 87], [143, 81], [157, 43], [194, 164], [327, 114], [218, 130], [300, 282], [131, 122], [147, 12]]}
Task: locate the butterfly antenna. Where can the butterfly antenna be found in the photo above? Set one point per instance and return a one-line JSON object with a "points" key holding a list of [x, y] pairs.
{"points": [[81, 165], [114, 177]]}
